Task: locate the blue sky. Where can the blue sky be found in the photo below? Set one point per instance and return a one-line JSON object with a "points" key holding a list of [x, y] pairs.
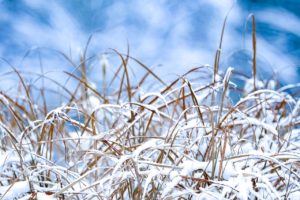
{"points": [[175, 35]]}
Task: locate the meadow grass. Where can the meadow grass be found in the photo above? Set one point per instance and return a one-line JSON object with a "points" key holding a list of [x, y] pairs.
{"points": [[138, 136]]}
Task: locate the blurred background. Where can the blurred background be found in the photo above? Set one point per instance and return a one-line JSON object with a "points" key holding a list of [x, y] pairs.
{"points": [[172, 35]]}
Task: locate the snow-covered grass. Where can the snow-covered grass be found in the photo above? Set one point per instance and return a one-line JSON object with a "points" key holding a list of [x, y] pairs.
{"points": [[137, 136]]}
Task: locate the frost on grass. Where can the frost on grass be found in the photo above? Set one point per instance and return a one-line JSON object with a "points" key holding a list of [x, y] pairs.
{"points": [[145, 138]]}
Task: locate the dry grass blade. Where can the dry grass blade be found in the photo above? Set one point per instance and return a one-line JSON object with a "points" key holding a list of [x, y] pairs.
{"points": [[86, 85], [254, 50]]}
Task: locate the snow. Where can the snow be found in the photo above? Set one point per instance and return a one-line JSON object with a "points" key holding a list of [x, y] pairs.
{"points": [[249, 85], [228, 168], [15, 190], [255, 147], [294, 195], [43, 196]]}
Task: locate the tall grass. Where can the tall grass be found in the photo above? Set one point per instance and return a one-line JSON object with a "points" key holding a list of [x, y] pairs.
{"points": [[181, 139]]}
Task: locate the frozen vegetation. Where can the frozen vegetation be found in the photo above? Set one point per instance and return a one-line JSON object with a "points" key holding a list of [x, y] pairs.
{"points": [[138, 136]]}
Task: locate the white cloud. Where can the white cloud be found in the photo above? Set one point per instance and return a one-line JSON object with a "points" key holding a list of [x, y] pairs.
{"points": [[160, 32], [62, 33], [281, 19]]}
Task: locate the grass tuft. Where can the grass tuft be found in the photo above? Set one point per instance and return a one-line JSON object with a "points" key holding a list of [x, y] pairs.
{"points": [[141, 137]]}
